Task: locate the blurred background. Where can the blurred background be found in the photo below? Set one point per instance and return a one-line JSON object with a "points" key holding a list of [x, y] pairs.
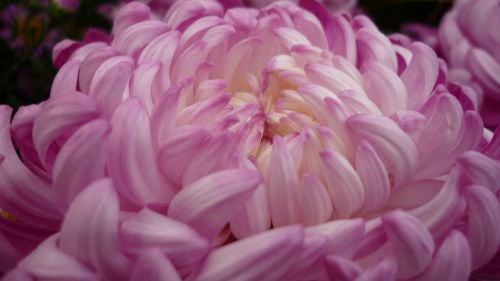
{"points": [[29, 29]]}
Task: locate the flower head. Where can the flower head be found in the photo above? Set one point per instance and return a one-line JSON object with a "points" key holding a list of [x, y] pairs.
{"points": [[247, 144]]}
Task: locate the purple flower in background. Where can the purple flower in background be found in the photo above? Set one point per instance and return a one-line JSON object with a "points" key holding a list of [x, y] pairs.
{"points": [[68, 4], [247, 144], [470, 41]]}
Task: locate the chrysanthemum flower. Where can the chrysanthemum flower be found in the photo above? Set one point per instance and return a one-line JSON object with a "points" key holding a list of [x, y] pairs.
{"points": [[470, 42], [246, 145]]}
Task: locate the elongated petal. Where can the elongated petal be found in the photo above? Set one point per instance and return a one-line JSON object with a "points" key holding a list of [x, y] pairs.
{"points": [[81, 161], [343, 184], [342, 234], [109, 82], [89, 231], [413, 244], [65, 82], [255, 217], [89, 66], [374, 176], [48, 262], [394, 147], [452, 261], [483, 230], [148, 229], [265, 256], [60, 116], [131, 158], [179, 149], [154, 266], [420, 75], [209, 203], [129, 15], [133, 39], [316, 203], [283, 184], [481, 170]]}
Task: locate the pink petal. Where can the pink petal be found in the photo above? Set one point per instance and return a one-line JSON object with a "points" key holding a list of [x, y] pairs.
{"points": [[109, 82], [59, 117], [178, 150], [81, 160], [316, 203], [412, 243], [342, 234], [255, 217], [483, 230], [48, 262], [148, 230], [66, 79], [384, 88], [142, 83], [154, 266], [9, 256], [341, 38], [133, 39], [90, 230], [283, 185], [420, 75], [343, 184], [131, 158], [129, 15], [373, 174], [394, 147], [481, 170], [209, 203], [373, 45], [266, 256], [331, 78], [90, 65], [452, 261], [441, 213]]}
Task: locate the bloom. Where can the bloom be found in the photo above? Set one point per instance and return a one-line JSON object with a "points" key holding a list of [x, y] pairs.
{"points": [[246, 145], [470, 46]]}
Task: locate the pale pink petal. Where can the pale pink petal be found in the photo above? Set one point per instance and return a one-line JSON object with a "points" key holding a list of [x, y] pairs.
{"points": [[481, 170], [374, 46], [131, 158], [65, 82], [209, 203], [343, 184], [129, 15], [81, 161], [266, 256], [141, 84], [109, 82], [255, 217], [178, 150], [283, 185], [48, 262], [394, 147], [374, 176], [342, 234], [90, 65], [133, 39], [452, 261], [149, 230], [412, 243], [341, 38], [90, 230], [420, 75], [316, 203]]}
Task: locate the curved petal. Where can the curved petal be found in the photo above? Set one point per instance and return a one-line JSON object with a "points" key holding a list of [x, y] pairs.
{"points": [[266, 256], [452, 261], [133, 39], [342, 234], [316, 203], [255, 217], [412, 243], [81, 161], [209, 203], [48, 262], [65, 82], [147, 230], [483, 229], [385, 270], [131, 158], [341, 269], [343, 184], [90, 230]]}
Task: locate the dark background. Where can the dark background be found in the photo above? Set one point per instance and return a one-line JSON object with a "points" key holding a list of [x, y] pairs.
{"points": [[26, 70]]}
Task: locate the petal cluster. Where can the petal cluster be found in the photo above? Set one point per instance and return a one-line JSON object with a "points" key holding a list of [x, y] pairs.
{"points": [[471, 46], [246, 144]]}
